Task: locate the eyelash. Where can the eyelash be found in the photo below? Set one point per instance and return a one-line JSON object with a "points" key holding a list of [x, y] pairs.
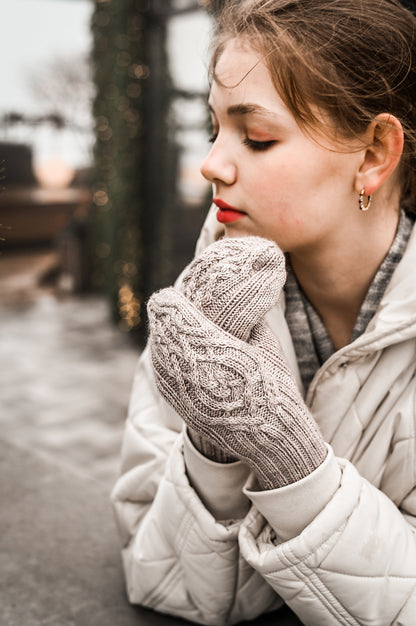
{"points": [[256, 146]]}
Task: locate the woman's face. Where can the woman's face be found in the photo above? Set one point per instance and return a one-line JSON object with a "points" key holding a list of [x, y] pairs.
{"points": [[269, 177]]}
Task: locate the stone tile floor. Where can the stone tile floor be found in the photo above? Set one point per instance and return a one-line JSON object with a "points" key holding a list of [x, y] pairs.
{"points": [[66, 370]]}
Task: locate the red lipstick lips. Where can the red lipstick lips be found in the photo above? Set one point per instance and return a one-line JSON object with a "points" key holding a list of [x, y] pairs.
{"points": [[227, 213]]}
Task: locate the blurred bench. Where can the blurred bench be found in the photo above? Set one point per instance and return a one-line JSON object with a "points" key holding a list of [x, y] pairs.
{"points": [[59, 552], [34, 215]]}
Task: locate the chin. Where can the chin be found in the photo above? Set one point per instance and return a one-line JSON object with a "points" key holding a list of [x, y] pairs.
{"points": [[239, 230]]}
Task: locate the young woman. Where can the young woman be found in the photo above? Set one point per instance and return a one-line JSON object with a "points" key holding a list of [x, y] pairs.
{"points": [[270, 451]]}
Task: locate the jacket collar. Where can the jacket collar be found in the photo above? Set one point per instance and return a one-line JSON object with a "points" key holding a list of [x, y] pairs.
{"points": [[395, 318], [393, 322]]}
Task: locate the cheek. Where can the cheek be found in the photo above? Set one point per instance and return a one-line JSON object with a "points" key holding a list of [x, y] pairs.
{"points": [[279, 201], [278, 181], [289, 192], [290, 216]]}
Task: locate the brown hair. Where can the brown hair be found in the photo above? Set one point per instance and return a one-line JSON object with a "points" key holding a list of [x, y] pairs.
{"points": [[351, 59]]}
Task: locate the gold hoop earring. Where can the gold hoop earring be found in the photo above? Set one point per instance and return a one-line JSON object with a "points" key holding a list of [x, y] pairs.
{"points": [[363, 207]]}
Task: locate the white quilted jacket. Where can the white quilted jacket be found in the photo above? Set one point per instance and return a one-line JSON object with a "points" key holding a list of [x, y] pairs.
{"points": [[339, 547]]}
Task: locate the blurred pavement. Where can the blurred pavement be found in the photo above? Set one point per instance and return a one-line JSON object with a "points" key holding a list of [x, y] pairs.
{"points": [[66, 370], [66, 374]]}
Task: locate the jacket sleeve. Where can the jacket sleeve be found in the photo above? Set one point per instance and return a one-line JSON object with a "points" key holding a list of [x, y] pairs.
{"points": [[353, 564], [177, 557]]}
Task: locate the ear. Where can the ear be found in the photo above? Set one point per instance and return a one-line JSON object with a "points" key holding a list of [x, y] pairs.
{"points": [[384, 138]]}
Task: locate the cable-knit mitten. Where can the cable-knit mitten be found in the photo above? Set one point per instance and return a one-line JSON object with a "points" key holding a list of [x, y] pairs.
{"points": [[219, 365], [234, 286]]}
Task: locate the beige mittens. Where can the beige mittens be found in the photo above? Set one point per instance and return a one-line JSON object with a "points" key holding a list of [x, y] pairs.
{"points": [[221, 368]]}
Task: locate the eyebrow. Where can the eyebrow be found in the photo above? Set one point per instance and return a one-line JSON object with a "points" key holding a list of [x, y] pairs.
{"points": [[247, 109]]}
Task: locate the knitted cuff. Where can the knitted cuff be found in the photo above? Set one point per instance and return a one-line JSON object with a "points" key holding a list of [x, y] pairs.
{"points": [[208, 449]]}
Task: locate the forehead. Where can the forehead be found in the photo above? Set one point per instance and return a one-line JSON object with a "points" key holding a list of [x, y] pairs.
{"points": [[241, 75], [239, 51], [237, 61]]}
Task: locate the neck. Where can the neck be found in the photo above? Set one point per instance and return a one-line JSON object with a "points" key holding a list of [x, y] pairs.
{"points": [[336, 277]]}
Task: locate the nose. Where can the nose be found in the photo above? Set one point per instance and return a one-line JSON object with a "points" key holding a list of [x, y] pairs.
{"points": [[219, 166]]}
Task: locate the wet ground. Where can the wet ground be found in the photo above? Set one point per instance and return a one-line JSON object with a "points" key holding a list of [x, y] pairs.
{"points": [[66, 370]]}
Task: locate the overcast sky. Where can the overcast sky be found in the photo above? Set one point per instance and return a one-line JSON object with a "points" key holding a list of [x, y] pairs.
{"points": [[33, 32]]}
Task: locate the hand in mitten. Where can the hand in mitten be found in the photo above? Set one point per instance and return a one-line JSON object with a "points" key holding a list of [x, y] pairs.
{"points": [[235, 282], [238, 394], [234, 285]]}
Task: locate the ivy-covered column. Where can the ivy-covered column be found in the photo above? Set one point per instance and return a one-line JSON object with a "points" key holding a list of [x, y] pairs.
{"points": [[133, 171]]}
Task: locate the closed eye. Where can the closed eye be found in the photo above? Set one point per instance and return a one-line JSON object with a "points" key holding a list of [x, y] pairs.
{"points": [[259, 146]]}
